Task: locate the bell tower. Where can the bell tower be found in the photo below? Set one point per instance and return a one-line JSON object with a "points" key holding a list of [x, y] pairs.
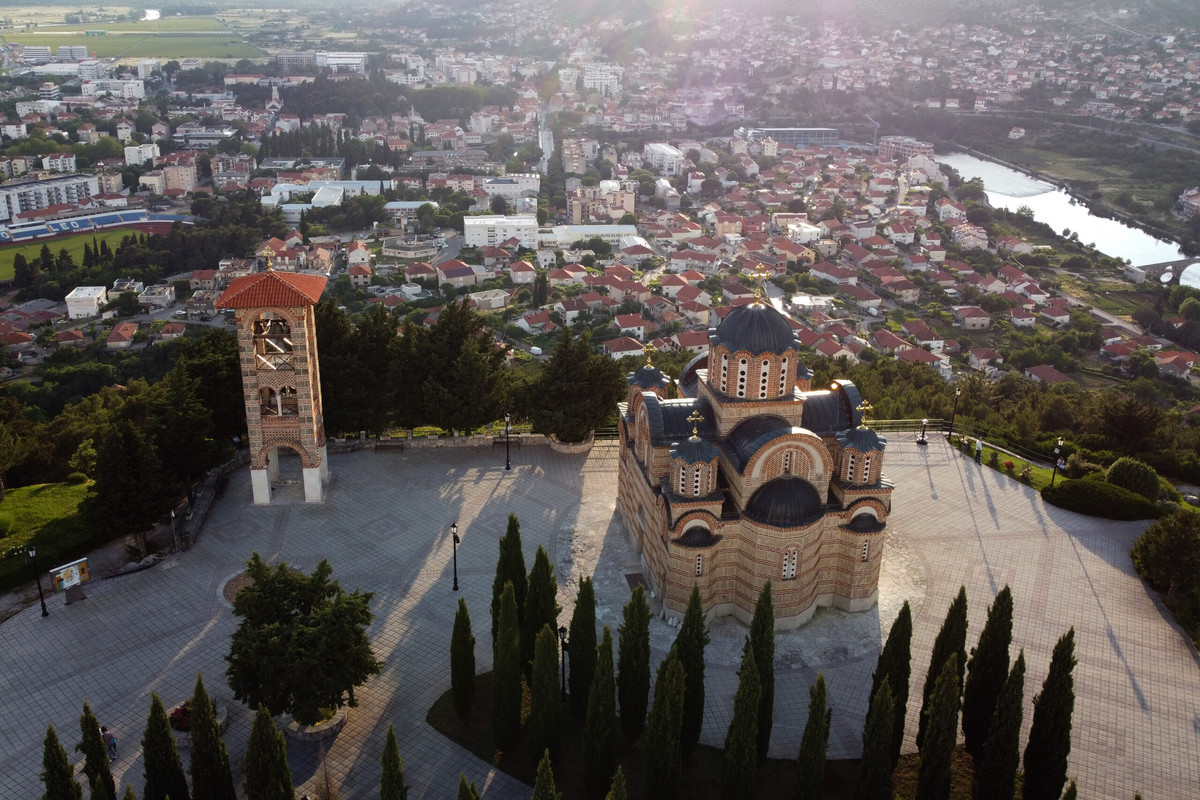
{"points": [[277, 345]]}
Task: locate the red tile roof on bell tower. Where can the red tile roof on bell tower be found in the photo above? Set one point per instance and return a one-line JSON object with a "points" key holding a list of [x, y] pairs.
{"points": [[264, 289]]}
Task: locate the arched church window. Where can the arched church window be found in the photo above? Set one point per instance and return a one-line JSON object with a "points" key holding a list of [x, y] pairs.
{"points": [[273, 343], [787, 463], [696, 481], [268, 403], [783, 371], [289, 402], [725, 373], [682, 479], [866, 473], [790, 557], [850, 467], [743, 369], [762, 383]]}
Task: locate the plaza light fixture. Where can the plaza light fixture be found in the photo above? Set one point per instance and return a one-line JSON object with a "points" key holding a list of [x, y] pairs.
{"points": [[37, 576], [954, 413], [507, 436], [562, 638], [1058, 462], [454, 538]]}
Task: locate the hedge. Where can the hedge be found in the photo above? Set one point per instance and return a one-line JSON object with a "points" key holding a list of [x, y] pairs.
{"points": [[1097, 498]]}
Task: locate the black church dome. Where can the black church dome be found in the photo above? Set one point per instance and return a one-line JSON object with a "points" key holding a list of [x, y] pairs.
{"points": [[757, 329], [785, 502]]}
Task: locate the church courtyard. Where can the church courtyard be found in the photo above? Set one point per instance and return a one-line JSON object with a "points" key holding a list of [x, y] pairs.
{"points": [[385, 528]]}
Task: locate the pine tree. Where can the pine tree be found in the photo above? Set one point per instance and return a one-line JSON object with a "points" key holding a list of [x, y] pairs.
{"points": [[161, 766], [506, 674], [95, 757], [1049, 743], [543, 784], [466, 791], [875, 768], [951, 639], [510, 568], [664, 763], [267, 774], [987, 670], [583, 646], [600, 725], [739, 770], [57, 773], [462, 662], [543, 730], [618, 790], [541, 608], [211, 778], [391, 780], [1001, 754], [689, 646], [941, 733], [762, 641], [633, 665], [895, 664], [810, 764]]}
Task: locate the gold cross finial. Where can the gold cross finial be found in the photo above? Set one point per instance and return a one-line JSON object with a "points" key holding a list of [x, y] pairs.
{"points": [[760, 273], [649, 349], [864, 408], [696, 418], [270, 266]]}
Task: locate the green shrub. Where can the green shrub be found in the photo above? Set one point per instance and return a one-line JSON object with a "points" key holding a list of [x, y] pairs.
{"points": [[1078, 466], [76, 478], [1136, 476], [994, 459], [1099, 499], [1167, 490]]}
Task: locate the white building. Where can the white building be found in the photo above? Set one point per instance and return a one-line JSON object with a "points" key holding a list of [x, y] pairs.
{"points": [[513, 186], [561, 237], [60, 162], [490, 231], [18, 198], [138, 154], [663, 157], [134, 90], [86, 301], [339, 61]]}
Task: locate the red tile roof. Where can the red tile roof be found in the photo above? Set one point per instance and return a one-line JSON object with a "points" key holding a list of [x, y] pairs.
{"points": [[271, 288]]}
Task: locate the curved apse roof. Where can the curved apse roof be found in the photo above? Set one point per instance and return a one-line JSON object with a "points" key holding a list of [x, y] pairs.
{"points": [[755, 328], [785, 502], [745, 440]]}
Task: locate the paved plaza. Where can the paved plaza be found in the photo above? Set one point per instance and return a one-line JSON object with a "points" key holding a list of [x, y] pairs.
{"points": [[385, 529]]}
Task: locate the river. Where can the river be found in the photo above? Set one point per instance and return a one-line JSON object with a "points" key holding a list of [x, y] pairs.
{"points": [[1009, 189]]}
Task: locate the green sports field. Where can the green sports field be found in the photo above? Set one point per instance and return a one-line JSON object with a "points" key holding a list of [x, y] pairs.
{"points": [[223, 45], [74, 245]]}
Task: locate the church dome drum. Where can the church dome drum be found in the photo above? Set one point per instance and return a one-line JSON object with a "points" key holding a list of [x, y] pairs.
{"points": [[756, 329]]}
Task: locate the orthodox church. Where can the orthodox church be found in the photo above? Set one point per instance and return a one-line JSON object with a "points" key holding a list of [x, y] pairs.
{"points": [[751, 475]]}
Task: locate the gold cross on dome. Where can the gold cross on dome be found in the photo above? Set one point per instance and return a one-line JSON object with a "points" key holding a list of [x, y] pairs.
{"points": [[760, 273], [649, 349], [864, 408], [696, 418]]}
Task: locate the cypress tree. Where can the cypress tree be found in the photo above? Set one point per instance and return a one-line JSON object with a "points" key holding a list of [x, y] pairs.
{"points": [[875, 767], [391, 780], [129, 793], [162, 767], [951, 639], [762, 641], [987, 670], [544, 733], [541, 608], [933, 778], [1002, 751], [57, 774], [810, 764], [510, 567], [1071, 793], [618, 791], [543, 784], [689, 646], [506, 674], [1049, 742], [466, 791], [895, 664], [633, 665], [462, 662], [600, 725], [211, 778], [95, 757], [267, 773], [664, 762], [583, 646], [739, 769]]}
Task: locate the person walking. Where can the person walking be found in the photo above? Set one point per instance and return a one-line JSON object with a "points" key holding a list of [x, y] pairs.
{"points": [[110, 741]]}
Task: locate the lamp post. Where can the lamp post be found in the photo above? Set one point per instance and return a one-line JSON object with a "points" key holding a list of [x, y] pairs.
{"points": [[921, 439], [454, 538], [507, 436], [37, 576], [954, 413], [1057, 461], [562, 638]]}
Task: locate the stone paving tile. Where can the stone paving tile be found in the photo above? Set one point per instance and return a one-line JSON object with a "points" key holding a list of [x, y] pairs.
{"points": [[385, 529]]}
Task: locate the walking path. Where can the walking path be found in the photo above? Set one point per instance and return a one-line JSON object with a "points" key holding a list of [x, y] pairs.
{"points": [[385, 529]]}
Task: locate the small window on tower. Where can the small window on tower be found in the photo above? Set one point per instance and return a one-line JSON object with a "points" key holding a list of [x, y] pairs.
{"points": [[699, 565], [866, 551]]}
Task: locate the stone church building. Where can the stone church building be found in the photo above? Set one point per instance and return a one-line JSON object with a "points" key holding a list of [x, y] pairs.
{"points": [[751, 475]]}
